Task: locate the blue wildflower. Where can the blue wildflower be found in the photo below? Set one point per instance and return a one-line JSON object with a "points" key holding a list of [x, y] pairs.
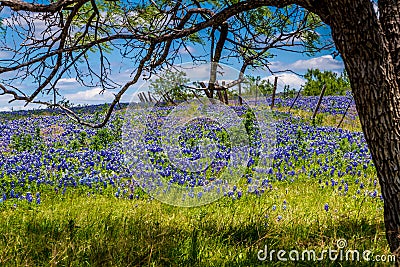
{"points": [[29, 197]]}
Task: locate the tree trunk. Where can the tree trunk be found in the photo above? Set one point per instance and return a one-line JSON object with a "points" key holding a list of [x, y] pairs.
{"points": [[365, 49], [390, 20]]}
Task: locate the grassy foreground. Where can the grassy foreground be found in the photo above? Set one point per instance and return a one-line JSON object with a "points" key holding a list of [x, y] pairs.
{"points": [[79, 230]]}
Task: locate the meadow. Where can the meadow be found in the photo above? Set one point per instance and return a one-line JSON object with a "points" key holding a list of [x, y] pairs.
{"points": [[68, 199]]}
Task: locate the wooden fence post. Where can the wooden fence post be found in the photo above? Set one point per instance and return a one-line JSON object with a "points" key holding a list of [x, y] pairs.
{"points": [[226, 96], [219, 95], [240, 89], [54, 98], [144, 97], [140, 97], [297, 96], [319, 101], [344, 115], [274, 92], [225, 93]]}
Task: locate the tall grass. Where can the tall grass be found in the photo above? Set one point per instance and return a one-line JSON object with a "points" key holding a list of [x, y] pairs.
{"points": [[97, 230]]}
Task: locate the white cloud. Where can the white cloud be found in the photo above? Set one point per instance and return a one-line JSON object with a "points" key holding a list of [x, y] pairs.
{"points": [[5, 55], [287, 78], [5, 109], [326, 62], [90, 96], [187, 50], [201, 72], [68, 83], [67, 80], [41, 25], [16, 105]]}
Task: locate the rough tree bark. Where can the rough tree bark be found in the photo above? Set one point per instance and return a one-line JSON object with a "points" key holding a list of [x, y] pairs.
{"points": [[370, 49]]}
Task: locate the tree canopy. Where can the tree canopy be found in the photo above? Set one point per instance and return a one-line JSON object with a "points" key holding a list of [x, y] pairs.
{"points": [[50, 41], [170, 86], [335, 84]]}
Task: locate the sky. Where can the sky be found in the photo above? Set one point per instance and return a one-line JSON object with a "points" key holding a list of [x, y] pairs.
{"points": [[77, 95], [296, 62]]}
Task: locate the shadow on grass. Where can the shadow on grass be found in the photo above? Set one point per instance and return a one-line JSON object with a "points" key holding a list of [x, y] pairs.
{"points": [[123, 240]]}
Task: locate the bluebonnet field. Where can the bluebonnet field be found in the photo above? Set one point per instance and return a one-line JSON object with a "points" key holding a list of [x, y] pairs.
{"points": [[49, 152], [322, 179], [330, 104]]}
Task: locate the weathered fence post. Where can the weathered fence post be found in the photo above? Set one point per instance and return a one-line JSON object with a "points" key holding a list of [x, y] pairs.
{"points": [[257, 80], [226, 96], [274, 92], [219, 95], [144, 97], [54, 98], [140, 97], [224, 93], [294, 101], [319, 101], [240, 89], [344, 115]]}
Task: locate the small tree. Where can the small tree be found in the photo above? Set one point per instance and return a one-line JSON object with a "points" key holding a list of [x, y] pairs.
{"points": [[170, 86], [264, 86], [288, 92], [335, 85]]}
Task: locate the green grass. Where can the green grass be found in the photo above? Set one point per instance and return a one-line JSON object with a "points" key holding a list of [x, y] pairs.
{"points": [[99, 230], [327, 119]]}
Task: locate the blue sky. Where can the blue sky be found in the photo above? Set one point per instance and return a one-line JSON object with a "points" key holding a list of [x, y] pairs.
{"points": [[296, 62]]}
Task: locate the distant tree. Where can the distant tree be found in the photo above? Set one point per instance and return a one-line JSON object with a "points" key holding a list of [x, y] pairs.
{"points": [[288, 92], [170, 86], [335, 85], [265, 87]]}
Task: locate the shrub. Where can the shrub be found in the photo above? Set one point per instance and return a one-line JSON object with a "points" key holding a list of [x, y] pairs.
{"points": [[22, 142]]}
